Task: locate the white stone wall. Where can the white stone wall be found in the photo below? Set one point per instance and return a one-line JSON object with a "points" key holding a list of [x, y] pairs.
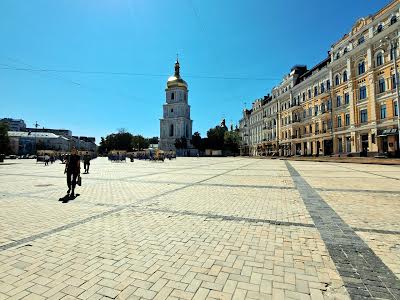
{"points": [[176, 112]]}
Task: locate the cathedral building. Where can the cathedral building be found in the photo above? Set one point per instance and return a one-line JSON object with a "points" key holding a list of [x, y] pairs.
{"points": [[176, 122]]}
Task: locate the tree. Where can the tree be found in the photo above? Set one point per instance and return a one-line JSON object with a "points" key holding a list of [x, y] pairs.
{"points": [[181, 143], [215, 137], [232, 141], [4, 139], [196, 140], [139, 142], [116, 141], [40, 145], [153, 140]]}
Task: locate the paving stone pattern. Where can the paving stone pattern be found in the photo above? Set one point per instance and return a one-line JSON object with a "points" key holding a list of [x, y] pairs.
{"points": [[363, 272], [200, 228]]}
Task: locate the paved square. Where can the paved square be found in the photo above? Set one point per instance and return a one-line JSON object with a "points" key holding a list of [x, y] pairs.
{"points": [[201, 228]]}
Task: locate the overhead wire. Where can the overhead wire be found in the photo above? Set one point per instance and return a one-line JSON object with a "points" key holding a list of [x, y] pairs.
{"points": [[113, 73]]}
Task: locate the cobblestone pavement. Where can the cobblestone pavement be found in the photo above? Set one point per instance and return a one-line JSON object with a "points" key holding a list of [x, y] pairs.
{"points": [[201, 228]]}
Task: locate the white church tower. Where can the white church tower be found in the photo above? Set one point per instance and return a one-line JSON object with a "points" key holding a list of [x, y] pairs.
{"points": [[176, 122]]}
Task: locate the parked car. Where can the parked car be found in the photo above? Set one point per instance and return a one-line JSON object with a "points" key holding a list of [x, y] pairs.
{"points": [[12, 157]]}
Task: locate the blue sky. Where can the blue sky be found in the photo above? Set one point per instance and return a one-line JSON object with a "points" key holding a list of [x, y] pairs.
{"points": [[256, 40]]}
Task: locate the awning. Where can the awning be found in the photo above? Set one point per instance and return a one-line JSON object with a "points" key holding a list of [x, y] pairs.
{"points": [[389, 131]]}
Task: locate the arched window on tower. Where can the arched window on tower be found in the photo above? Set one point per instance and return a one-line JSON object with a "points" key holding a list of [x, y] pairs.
{"points": [[344, 76], [172, 96], [171, 130]]}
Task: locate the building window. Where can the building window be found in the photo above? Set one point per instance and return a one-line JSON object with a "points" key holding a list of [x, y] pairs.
{"points": [[346, 98], [379, 59], [304, 97], [315, 110], [309, 94], [328, 85], [381, 85], [383, 111], [304, 114], [363, 116], [171, 130], [340, 145], [329, 105], [361, 68], [323, 107], [361, 40], [345, 50], [172, 96], [347, 120], [395, 109], [339, 121], [322, 88], [337, 80], [310, 111], [338, 101], [172, 110], [363, 92], [380, 28], [392, 52], [344, 76], [393, 20], [394, 81], [315, 91]]}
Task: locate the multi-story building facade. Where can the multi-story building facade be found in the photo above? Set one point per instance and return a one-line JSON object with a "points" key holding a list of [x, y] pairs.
{"points": [[346, 104], [14, 124]]}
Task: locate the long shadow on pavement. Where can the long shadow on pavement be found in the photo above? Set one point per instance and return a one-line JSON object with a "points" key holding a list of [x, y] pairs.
{"points": [[68, 198]]}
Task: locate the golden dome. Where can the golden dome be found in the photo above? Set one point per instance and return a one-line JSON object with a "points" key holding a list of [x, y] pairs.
{"points": [[175, 81]]}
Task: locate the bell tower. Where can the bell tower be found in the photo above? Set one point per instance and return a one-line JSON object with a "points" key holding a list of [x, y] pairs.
{"points": [[175, 123]]}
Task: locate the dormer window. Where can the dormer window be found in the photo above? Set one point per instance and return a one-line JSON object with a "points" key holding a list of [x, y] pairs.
{"points": [[393, 20], [380, 28]]}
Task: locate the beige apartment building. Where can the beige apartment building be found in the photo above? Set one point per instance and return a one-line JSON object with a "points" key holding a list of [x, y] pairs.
{"points": [[345, 105]]}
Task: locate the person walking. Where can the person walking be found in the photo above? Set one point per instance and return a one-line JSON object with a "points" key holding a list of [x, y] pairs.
{"points": [[46, 160], [72, 169], [86, 162]]}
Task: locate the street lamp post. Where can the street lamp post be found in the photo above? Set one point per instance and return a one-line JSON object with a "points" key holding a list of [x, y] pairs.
{"points": [[36, 126]]}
